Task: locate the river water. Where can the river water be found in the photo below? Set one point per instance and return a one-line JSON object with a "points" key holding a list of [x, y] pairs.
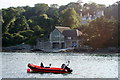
{"points": [[84, 65]]}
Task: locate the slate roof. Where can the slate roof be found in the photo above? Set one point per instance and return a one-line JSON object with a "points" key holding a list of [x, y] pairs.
{"points": [[66, 31], [72, 33]]}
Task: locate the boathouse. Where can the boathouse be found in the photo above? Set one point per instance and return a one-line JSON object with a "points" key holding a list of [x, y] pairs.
{"points": [[64, 37]]}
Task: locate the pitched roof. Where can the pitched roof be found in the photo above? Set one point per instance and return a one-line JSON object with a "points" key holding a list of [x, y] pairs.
{"points": [[66, 31], [61, 28], [72, 33]]}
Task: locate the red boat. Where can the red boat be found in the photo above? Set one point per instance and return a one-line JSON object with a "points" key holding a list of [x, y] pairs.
{"points": [[36, 68]]}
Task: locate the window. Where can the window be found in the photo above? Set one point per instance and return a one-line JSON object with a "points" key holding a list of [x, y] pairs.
{"points": [[56, 35], [69, 38]]}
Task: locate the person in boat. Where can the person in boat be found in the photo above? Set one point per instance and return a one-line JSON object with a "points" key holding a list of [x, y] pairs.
{"points": [[68, 63], [63, 66], [66, 67], [49, 65], [41, 65]]}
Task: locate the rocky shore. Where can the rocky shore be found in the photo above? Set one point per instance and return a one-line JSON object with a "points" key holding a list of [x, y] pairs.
{"points": [[85, 49], [77, 50], [99, 50]]}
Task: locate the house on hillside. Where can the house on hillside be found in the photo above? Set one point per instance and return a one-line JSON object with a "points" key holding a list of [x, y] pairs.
{"points": [[87, 17], [64, 37]]}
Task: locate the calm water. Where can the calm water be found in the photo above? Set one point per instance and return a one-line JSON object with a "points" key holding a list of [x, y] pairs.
{"points": [[14, 65]]}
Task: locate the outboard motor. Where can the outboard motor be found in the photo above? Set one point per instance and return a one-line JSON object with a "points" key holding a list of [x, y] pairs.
{"points": [[68, 69]]}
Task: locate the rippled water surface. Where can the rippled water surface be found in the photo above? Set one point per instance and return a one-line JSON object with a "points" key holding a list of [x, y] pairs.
{"points": [[84, 65]]}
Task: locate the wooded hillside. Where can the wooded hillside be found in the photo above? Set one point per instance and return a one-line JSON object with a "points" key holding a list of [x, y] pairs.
{"points": [[26, 24]]}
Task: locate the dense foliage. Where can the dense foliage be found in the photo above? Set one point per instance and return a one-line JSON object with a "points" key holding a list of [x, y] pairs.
{"points": [[70, 18], [27, 24], [100, 33]]}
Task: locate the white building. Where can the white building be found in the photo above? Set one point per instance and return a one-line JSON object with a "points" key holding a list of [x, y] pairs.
{"points": [[88, 17]]}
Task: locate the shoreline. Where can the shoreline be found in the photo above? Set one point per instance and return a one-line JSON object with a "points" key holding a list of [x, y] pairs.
{"points": [[84, 49], [90, 53], [99, 51]]}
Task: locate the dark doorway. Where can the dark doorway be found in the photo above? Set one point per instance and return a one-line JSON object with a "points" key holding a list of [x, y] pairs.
{"points": [[55, 45], [62, 45]]}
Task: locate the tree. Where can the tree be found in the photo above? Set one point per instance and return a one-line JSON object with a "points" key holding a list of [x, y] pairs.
{"points": [[38, 30], [27, 33], [69, 17], [29, 12], [20, 10], [29, 23], [112, 11], [100, 33], [8, 17], [54, 6], [53, 13], [7, 39], [31, 41], [77, 7], [12, 39], [17, 39], [40, 9], [20, 24], [62, 7]]}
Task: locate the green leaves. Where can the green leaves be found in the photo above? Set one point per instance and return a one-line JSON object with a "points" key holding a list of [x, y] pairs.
{"points": [[40, 9], [20, 24], [100, 33], [27, 33], [69, 17], [29, 23], [12, 39], [38, 30]]}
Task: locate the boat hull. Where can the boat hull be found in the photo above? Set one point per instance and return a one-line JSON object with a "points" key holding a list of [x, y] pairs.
{"points": [[36, 68]]}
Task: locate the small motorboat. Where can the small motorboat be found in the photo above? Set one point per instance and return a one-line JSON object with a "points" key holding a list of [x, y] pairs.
{"points": [[35, 68]]}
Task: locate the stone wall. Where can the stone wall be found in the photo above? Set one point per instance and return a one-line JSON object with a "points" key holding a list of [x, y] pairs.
{"points": [[43, 45], [17, 47]]}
